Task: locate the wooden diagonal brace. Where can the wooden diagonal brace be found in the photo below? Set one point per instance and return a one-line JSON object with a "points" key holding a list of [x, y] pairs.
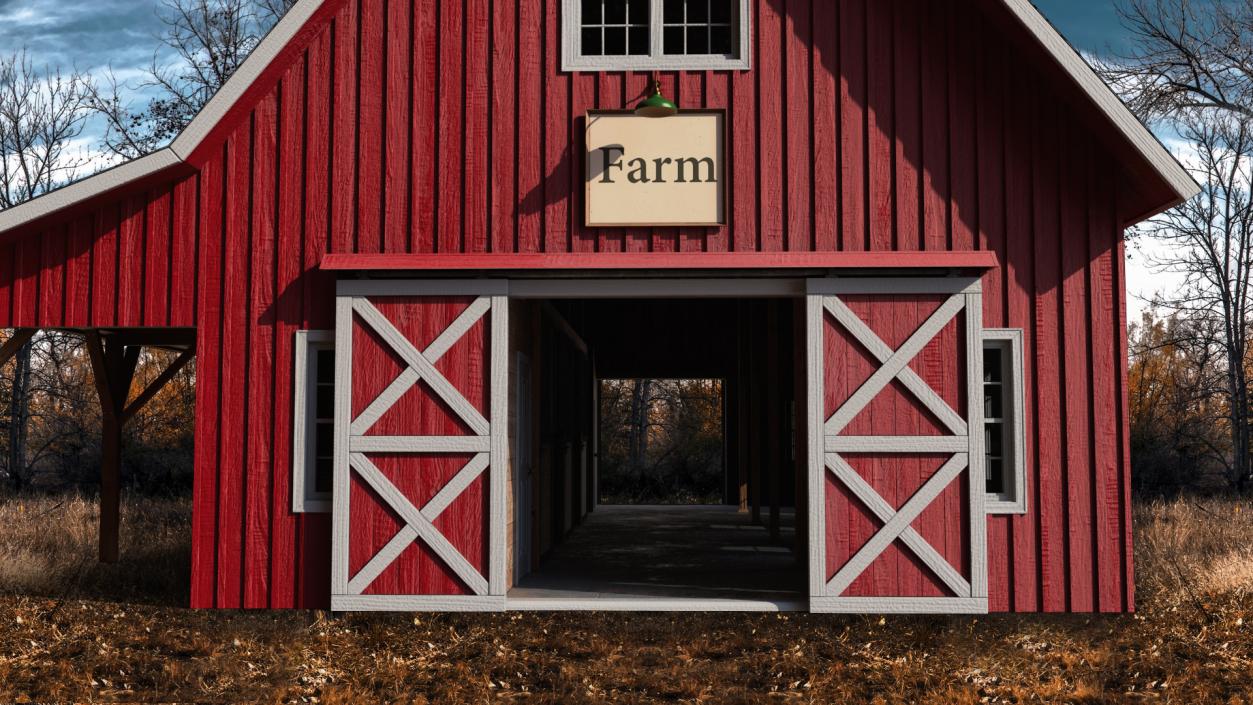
{"points": [[157, 384], [20, 337]]}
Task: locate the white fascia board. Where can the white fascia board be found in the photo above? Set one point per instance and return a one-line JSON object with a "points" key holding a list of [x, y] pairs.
{"points": [[94, 185], [1114, 110], [186, 142], [243, 78]]}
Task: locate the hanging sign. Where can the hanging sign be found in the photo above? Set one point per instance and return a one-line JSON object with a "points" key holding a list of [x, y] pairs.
{"points": [[643, 171]]}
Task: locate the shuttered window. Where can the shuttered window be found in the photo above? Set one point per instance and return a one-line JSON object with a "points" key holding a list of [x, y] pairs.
{"points": [[313, 442], [1003, 421]]}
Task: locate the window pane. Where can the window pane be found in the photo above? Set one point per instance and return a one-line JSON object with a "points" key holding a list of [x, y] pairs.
{"points": [[995, 439], [992, 371], [673, 12], [994, 402], [697, 40], [591, 12], [324, 405], [639, 40], [324, 440], [615, 41], [996, 476], [720, 11], [615, 12], [591, 42], [720, 41], [326, 366], [322, 475], [674, 40], [697, 11], [638, 12]]}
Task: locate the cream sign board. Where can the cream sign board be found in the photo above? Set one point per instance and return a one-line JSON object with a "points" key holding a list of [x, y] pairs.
{"points": [[643, 171]]}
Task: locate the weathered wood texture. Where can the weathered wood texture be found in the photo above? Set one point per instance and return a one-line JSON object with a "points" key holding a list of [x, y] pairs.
{"points": [[421, 127]]}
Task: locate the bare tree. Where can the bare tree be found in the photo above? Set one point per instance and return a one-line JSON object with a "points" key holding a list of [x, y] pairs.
{"points": [[1187, 55], [204, 42], [41, 114], [1210, 243]]}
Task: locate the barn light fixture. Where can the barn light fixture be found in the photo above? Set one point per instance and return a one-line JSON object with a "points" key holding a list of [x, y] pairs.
{"points": [[656, 105]]}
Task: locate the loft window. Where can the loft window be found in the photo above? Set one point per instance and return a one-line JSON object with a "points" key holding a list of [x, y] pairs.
{"points": [[619, 35], [1003, 422], [313, 442]]}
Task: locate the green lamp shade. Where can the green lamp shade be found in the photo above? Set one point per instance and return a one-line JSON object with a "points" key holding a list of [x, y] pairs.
{"points": [[656, 105]]}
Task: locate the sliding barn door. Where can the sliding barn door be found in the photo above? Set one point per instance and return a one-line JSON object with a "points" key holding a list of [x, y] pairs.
{"points": [[420, 422], [896, 475]]}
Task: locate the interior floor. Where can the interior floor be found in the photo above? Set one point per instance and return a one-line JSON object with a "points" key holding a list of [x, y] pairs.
{"points": [[682, 552]]}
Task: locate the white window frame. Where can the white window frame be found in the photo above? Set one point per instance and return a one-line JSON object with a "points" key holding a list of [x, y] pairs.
{"points": [[1014, 462], [656, 60], [305, 499]]}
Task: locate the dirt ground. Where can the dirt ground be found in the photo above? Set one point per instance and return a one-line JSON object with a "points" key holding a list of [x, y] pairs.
{"points": [[65, 637]]}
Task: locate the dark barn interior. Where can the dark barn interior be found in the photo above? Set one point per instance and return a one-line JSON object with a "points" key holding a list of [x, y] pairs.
{"points": [[567, 545]]}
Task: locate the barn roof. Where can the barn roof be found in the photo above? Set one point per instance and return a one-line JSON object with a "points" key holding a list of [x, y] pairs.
{"points": [[1138, 138]]}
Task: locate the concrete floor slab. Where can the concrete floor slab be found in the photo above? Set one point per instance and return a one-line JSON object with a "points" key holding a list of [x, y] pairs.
{"points": [[711, 554]]}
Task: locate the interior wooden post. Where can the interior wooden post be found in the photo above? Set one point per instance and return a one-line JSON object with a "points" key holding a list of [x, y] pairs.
{"points": [[756, 368], [801, 392], [741, 404], [774, 425]]}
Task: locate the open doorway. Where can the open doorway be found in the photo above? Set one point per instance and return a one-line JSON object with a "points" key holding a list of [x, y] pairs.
{"points": [[661, 442], [662, 466]]}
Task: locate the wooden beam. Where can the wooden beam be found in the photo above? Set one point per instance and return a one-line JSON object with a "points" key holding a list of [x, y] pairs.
{"points": [[157, 384], [20, 337], [657, 260], [151, 337], [564, 326]]}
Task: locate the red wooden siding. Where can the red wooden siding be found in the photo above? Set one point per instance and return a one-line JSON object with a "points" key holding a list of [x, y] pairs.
{"points": [[406, 126]]}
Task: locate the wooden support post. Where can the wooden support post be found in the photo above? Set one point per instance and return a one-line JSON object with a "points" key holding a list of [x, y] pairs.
{"points": [[113, 364], [774, 421]]}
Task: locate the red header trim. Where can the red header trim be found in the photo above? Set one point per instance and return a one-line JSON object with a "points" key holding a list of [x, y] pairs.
{"points": [[658, 260]]}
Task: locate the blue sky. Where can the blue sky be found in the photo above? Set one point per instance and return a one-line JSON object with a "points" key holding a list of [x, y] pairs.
{"points": [[1090, 25]]}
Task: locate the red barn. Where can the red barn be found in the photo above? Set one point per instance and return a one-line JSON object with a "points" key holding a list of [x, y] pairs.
{"points": [[408, 236]]}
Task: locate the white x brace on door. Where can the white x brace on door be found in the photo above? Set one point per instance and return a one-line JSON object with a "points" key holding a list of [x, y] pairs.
{"points": [[921, 448], [420, 455]]}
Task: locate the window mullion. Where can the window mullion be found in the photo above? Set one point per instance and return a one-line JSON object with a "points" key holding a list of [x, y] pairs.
{"points": [[655, 49]]}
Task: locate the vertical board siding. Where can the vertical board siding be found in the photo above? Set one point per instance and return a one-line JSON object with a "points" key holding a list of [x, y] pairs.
{"points": [[416, 126]]}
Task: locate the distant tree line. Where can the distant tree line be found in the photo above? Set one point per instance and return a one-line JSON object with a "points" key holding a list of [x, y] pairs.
{"points": [[661, 441]]}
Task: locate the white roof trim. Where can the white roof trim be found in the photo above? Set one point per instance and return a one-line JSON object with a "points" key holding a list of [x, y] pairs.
{"points": [[186, 142], [194, 134], [1140, 137], [79, 191], [222, 101]]}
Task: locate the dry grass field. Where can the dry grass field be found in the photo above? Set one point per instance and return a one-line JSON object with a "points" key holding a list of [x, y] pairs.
{"points": [[73, 631]]}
